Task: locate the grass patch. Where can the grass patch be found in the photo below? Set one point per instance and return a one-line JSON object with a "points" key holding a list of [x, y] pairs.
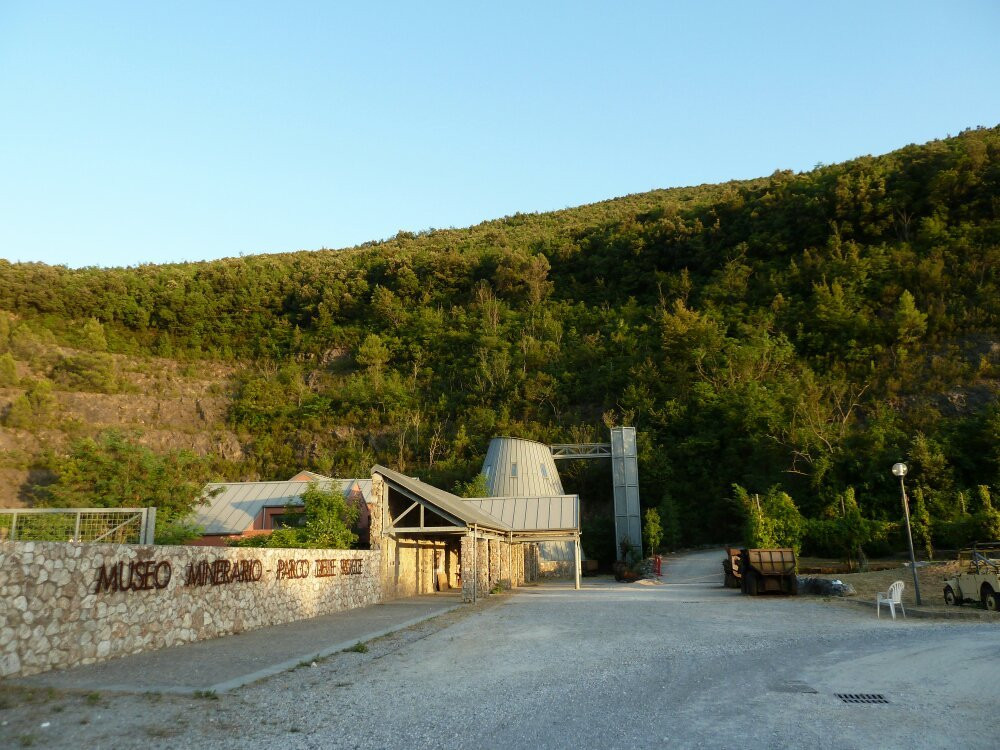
{"points": [[93, 698], [206, 694], [358, 648]]}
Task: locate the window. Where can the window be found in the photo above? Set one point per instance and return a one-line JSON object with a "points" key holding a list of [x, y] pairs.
{"points": [[288, 520], [545, 471], [513, 469]]}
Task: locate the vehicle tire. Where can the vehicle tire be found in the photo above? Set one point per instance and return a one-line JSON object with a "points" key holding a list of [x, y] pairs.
{"points": [[750, 579], [949, 596], [988, 598]]}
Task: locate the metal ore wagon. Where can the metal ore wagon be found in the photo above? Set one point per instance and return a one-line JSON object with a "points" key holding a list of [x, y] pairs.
{"points": [[768, 570]]}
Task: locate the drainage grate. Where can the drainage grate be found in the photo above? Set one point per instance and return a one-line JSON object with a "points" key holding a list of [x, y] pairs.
{"points": [[862, 697]]}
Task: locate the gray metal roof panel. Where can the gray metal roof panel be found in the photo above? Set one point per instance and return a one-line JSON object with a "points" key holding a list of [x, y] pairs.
{"points": [[546, 513], [366, 488], [233, 509]]}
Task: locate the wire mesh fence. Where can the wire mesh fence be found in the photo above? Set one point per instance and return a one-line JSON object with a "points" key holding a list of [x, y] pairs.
{"points": [[109, 525]]}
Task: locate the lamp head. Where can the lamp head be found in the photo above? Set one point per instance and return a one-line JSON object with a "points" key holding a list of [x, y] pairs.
{"points": [[899, 470]]}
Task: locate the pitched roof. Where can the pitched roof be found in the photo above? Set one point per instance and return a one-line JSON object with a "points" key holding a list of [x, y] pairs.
{"points": [[552, 513], [451, 504], [309, 476], [232, 506]]}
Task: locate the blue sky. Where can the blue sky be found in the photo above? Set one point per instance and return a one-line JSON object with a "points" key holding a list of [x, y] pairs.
{"points": [[140, 132]]}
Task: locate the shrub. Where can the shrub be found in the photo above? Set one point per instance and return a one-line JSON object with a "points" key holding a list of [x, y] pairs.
{"points": [[773, 521], [92, 336], [86, 372], [328, 522], [32, 408], [475, 487], [920, 524], [652, 531], [8, 370]]}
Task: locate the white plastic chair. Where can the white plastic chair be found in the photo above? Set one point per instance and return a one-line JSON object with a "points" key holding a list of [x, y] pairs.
{"points": [[891, 598]]}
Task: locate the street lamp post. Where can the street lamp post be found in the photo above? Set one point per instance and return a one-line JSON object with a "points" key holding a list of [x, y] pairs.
{"points": [[900, 471]]}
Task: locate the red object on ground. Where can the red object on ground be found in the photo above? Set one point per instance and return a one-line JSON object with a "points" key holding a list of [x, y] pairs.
{"points": [[658, 565]]}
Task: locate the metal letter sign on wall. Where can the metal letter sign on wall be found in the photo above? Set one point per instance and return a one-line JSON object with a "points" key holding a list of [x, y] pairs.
{"points": [[625, 477]]}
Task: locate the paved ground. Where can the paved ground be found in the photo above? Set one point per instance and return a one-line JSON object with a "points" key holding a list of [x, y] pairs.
{"points": [[685, 664]]}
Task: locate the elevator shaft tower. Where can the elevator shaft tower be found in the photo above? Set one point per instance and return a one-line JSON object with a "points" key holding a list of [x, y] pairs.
{"points": [[624, 478]]}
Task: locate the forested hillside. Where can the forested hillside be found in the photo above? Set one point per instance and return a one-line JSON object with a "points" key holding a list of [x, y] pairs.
{"points": [[802, 330]]}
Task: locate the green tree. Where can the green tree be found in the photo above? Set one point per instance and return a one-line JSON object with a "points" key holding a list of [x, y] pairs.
{"points": [[112, 471], [772, 521], [328, 521], [8, 370], [5, 328], [476, 487], [652, 531], [910, 323], [86, 372], [920, 523], [92, 336], [373, 354], [33, 408]]}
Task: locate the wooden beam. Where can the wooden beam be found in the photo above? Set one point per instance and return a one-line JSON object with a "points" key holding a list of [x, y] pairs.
{"points": [[430, 529], [400, 516], [424, 501]]}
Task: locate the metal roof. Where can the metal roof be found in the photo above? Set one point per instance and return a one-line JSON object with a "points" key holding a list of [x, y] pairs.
{"points": [[515, 467], [451, 504], [235, 505], [309, 476], [559, 512]]}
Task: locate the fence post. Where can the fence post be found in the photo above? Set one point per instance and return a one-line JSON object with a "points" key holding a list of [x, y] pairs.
{"points": [[76, 527], [13, 527], [149, 526]]}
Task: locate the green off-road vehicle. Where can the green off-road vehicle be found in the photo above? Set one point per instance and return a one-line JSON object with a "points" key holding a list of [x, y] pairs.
{"points": [[979, 579]]}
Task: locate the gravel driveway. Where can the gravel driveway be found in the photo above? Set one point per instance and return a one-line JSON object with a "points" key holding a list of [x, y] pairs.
{"points": [[682, 664]]}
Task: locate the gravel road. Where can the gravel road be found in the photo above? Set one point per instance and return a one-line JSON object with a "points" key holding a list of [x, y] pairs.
{"points": [[681, 664]]}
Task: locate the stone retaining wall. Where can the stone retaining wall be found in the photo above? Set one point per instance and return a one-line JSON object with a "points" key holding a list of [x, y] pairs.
{"points": [[66, 604]]}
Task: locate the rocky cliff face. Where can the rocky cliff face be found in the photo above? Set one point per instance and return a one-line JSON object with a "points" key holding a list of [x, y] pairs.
{"points": [[162, 404]]}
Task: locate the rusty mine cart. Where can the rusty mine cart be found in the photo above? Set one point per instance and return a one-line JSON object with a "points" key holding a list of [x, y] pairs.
{"points": [[768, 570], [979, 579]]}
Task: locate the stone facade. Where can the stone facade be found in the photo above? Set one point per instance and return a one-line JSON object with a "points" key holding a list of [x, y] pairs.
{"points": [[495, 562], [64, 604]]}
